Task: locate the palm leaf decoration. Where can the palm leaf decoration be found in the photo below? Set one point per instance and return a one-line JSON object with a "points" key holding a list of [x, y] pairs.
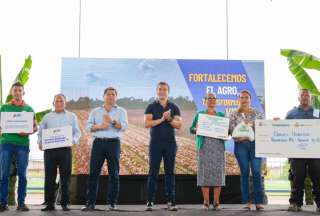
{"points": [[299, 61]]}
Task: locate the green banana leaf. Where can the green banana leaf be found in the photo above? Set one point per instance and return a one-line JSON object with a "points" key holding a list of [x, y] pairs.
{"points": [[305, 60], [23, 75], [298, 61], [40, 115]]}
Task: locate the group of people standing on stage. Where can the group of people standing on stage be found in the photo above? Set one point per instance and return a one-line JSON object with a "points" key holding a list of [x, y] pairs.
{"points": [[211, 154], [108, 122]]}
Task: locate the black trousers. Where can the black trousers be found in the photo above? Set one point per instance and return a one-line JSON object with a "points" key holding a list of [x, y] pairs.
{"points": [[104, 149], [299, 168], [54, 159]]}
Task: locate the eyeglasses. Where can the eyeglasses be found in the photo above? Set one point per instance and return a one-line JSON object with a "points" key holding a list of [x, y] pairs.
{"points": [[210, 98]]}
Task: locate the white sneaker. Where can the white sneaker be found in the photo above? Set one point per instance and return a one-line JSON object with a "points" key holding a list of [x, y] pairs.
{"points": [[113, 207], [172, 206], [149, 206]]}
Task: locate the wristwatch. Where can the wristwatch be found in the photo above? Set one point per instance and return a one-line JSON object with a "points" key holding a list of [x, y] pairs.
{"points": [[114, 122]]}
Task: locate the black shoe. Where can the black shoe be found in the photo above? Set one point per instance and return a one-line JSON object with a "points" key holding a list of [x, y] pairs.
{"points": [[294, 208], [309, 202], [88, 207], [149, 206], [65, 208], [22, 207], [48, 208], [172, 206], [318, 209], [4, 207]]}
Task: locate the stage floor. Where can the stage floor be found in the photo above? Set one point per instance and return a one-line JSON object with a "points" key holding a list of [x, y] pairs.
{"points": [[185, 210]]}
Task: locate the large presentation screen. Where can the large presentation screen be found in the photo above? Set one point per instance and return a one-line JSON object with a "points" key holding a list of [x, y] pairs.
{"points": [[83, 81]]}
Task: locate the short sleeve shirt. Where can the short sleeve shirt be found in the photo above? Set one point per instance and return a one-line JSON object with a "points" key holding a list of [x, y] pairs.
{"points": [[15, 139], [237, 117], [300, 113], [164, 132]]}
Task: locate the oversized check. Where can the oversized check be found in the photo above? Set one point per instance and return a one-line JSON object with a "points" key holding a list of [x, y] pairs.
{"points": [[288, 138], [17, 122], [213, 126], [57, 137]]}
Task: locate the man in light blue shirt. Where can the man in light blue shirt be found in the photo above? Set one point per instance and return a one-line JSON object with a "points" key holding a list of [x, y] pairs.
{"points": [[61, 158], [106, 123], [100, 119]]}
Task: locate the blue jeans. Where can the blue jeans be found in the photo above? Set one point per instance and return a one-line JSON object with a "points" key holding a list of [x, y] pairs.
{"points": [[157, 151], [104, 150], [22, 156], [245, 154]]}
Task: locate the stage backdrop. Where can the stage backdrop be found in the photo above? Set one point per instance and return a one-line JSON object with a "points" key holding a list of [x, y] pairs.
{"points": [[84, 80]]}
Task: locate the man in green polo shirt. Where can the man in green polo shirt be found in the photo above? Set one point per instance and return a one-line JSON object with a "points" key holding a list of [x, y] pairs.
{"points": [[15, 145]]}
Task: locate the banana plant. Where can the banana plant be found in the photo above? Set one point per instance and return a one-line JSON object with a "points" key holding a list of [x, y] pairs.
{"points": [[22, 77], [299, 61]]}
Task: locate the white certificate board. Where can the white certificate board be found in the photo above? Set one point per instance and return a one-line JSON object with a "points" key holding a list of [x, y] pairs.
{"points": [[57, 137], [213, 126], [17, 122], [299, 138]]}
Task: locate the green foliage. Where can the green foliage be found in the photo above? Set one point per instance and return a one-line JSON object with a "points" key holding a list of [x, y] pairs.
{"points": [[40, 115], [23, 75], [298, 61]]}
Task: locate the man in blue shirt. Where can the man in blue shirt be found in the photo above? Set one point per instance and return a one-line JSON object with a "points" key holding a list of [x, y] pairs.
{"points": [[55, 158], [162, 117], [106, 123], [299, 166]]}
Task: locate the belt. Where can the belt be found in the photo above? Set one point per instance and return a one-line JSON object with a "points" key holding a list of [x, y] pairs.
{"points": [[106, 139], [58, 149]]}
